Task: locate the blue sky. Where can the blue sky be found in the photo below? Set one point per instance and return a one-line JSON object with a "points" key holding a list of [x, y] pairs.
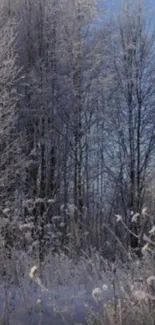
{"points": [[115, 3], [152, 3], [109, 7]]}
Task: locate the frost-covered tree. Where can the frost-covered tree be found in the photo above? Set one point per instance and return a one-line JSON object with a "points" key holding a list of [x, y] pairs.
{"points": [[131, 118], [10, 74]]}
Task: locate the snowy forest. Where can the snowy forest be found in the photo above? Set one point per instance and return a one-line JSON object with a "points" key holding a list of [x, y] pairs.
{"points": [[77, 162], [77, 123]]}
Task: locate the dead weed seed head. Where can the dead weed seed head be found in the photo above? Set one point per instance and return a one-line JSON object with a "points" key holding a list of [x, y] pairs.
{"points": [[118, 218], [150, 280], [33, 271], [97, 294], [140, 295]]}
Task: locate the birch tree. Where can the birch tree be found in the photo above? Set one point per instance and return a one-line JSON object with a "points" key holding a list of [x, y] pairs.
{"points": [[133, 113], [9, 75]]}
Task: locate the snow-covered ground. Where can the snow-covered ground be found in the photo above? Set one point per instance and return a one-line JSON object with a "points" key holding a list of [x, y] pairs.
{"points": [[29, 304]]}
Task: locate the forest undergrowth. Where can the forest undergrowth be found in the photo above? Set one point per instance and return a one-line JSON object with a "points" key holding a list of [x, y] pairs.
{"points": [[122, 290]]}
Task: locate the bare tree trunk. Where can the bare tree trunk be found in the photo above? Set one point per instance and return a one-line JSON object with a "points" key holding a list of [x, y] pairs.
{"points": [[77, 79]]}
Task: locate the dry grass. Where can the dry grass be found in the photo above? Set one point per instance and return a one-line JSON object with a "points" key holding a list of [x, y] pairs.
{"points": [[132, 289], [70, 289]]}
